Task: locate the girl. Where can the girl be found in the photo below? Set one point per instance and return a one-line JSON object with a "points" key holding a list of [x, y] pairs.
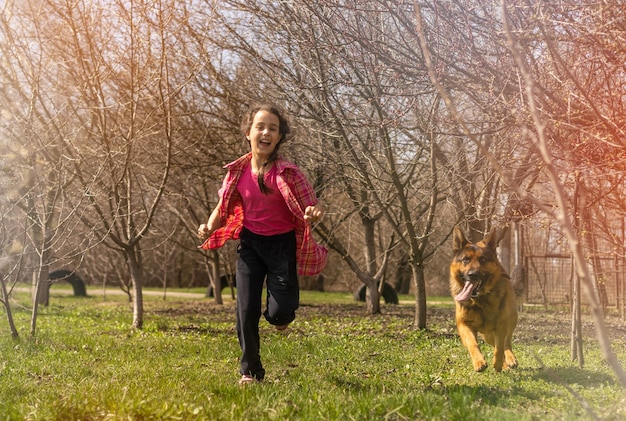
{"points": [[266, 202]]}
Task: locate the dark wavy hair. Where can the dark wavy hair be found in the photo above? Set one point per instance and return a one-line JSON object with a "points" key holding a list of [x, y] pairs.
{"points": [[283, 129]]}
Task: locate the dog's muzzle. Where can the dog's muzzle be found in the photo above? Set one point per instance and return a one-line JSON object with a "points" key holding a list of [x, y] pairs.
{"points": [[470, 290]]}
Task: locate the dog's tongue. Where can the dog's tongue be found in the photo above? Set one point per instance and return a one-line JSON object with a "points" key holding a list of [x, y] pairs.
{"points": [[465, 293]]}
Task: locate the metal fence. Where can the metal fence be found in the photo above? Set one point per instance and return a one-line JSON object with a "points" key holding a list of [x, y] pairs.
{"points": [[550, 280]]}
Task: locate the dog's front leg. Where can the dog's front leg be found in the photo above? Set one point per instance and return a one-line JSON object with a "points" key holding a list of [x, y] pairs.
{"points": [[498, 352], [468, 339], [509, 356]]}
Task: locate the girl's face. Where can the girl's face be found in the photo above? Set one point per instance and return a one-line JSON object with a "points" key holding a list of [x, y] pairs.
{"points": [[264, 134]]}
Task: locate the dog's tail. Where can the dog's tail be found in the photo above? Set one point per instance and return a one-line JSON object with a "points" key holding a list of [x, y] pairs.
{"points": [[518, 280]]}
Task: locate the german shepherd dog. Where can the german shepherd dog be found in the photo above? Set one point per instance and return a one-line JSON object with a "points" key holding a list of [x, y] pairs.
{"points": [[485, 300]]}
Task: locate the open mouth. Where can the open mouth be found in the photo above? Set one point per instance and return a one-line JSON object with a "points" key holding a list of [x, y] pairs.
{"points": [[469, 291]]}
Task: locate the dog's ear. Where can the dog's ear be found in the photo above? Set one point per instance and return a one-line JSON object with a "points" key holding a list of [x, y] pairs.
{"points": [[458, 239], [492, 240]]}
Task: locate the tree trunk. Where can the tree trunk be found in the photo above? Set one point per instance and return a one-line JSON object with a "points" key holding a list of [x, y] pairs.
{"points": [[419, 283], [372, 297], [40, 296], [576, 341], [136, 275], [7, 307], [215, 278], [577, 330], [165, 284], [43, 289], [506, 247]]}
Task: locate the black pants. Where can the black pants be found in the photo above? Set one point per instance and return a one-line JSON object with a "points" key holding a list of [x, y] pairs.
{"points": [[260, 258]]}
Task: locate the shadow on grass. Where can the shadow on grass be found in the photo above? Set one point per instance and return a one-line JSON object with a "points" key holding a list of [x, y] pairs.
{"points": [[574, 375], [562, 378], [198, 329], [464, 396]]}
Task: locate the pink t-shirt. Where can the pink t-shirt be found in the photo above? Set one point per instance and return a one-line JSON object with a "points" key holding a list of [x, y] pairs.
{"points": [[264, 214]]}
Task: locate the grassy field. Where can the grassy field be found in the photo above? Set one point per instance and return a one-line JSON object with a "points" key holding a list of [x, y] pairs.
{"points": [[334, 363]]}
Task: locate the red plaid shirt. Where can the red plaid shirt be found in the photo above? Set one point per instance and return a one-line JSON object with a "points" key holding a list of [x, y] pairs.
{"points": [[298, 194]]}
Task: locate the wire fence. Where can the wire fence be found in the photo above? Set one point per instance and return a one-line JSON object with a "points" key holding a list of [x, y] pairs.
{"points": [[550, 280]]}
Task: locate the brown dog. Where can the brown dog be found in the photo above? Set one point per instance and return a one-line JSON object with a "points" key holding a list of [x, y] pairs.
{"points": [[485, 300]]}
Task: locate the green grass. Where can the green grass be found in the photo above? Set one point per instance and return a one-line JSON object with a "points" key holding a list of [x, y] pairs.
{"points": [[334, 363]]}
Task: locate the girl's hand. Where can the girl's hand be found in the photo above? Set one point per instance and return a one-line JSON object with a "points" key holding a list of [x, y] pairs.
{"points": [[204, 232], [212, 225], [313, 213]]}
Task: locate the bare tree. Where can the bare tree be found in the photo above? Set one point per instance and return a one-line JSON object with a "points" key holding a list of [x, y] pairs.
{"points": [[541, 141], [354, 109], [120, 95], [12, 251], [534, 113], [36, 124], [397, 133], [132, 156]]}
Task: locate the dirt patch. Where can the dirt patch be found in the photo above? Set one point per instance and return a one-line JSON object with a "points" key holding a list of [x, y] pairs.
{"points": [[537, 326]]}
